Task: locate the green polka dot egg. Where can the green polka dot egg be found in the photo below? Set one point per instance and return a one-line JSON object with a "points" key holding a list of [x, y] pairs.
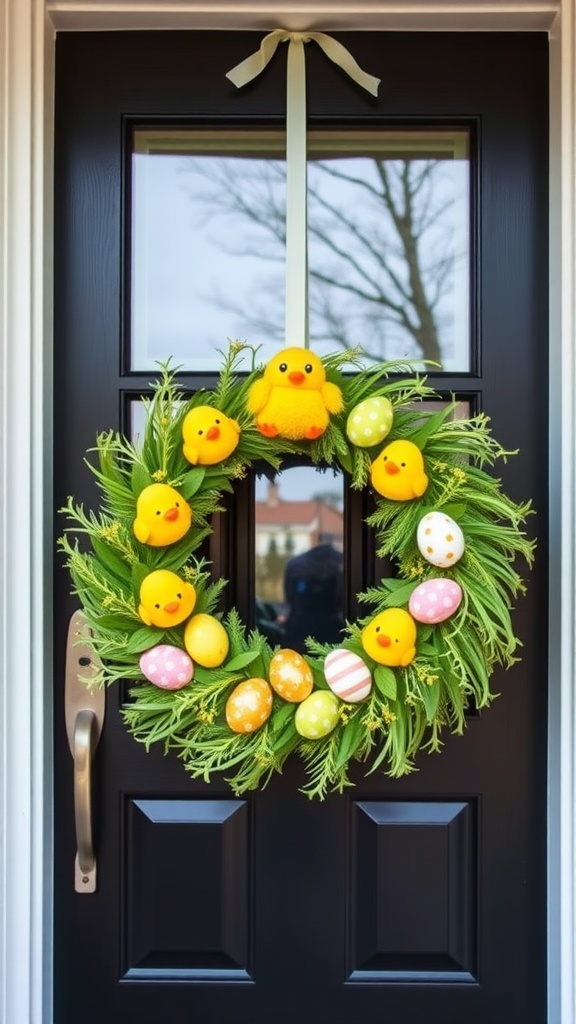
{"points": [[370, 422], [317, 716]]}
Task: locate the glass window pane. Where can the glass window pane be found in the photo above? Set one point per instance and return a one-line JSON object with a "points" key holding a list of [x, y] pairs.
{"points": [[299, 539], [388, 237]]}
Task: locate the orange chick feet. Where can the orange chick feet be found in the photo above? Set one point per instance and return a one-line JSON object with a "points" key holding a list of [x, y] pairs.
{"points": [[267, 429]]}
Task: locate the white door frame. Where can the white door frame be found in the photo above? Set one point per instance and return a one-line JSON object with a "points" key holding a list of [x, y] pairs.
{"points": [[27, 29]]}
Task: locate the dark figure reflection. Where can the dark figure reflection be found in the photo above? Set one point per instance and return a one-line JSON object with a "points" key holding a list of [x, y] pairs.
{"points": [[314, 593]]}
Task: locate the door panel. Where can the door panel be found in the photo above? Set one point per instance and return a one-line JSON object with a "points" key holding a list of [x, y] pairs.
{"points": [[400, 900]]}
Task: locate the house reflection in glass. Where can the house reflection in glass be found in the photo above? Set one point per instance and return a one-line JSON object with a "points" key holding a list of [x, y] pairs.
{"points": [[298, 557]]}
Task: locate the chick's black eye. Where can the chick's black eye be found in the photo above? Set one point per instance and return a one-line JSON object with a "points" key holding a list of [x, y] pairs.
{"points": [[158, 513], [177, 503], [377, 629], [308, 367], [402, 463], [200, 432], [179, 596], [156, 605], [283, 367], [217, 421]]}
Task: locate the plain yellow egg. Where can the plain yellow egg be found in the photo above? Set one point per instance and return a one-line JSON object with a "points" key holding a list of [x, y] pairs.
{"points": [[206, 640]]}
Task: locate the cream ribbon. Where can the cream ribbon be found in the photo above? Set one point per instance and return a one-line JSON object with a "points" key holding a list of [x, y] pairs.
{"points": [[296, 308]]}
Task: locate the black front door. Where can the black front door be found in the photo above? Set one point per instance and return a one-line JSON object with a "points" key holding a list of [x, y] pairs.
{"points": [[401, 900]]}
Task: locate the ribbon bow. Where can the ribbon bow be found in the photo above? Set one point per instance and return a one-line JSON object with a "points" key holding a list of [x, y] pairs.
{"points": [[296, 319]]}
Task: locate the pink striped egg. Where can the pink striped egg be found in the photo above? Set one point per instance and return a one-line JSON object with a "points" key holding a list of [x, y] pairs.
{"points": [[435, 600], [347, 675], [167, 667]]}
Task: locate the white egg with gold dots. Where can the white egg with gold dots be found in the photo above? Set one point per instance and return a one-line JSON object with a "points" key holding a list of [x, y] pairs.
{"points": [[440, 540]]}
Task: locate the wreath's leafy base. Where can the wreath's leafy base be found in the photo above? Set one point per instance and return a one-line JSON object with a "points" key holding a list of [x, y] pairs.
{"points": [[408, 707]]}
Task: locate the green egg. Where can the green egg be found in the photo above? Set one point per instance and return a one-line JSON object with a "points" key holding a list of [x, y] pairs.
{"points": [[370, 422], [317, 716]]}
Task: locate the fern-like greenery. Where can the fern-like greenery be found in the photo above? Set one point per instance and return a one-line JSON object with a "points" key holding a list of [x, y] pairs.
{"points": [[408, 708]]}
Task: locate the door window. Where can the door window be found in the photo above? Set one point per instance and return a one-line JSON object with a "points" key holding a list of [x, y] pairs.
{"points": [[388, 244]]}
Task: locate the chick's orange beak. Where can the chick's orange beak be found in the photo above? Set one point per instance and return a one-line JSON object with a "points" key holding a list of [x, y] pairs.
{"points": [[172, 607], [213, 434], [296, 377], [383, 640], [171, 514], [391, 468]]}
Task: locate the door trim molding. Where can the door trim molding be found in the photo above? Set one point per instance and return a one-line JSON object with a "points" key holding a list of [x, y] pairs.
{"points": [[328, 15], [26, 46], [26, 560], [562, 511]]}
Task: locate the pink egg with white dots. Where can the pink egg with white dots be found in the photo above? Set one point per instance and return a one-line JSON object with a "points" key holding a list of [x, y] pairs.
{"points": [[167, 667], [347, 675], [435, 600]]}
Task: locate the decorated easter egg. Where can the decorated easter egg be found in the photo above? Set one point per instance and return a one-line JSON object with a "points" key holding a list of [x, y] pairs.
{"points": [[206, 640], [435, 600], [290, 676], [440, 540], [167, 667], [370, 421], [249, 705], [317, 716], [347, 675]]}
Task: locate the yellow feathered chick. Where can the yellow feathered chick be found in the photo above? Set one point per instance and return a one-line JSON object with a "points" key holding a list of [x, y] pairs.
{"points": [[398, 472], [390, 638], [293, 399], [209, 436], [162, 516], [165, 599]]}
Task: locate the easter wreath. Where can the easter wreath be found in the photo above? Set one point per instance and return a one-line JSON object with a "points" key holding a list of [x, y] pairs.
{"points": [[230, 703]]}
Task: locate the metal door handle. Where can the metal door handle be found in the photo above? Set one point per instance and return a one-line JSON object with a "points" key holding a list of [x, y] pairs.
{"points": [[85, 864], [84, 720]]}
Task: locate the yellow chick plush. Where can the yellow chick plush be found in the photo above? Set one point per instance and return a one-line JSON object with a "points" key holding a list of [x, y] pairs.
{"points": [[162, 516], [398, 472], [165, 599], [390, 638], [293, 399], [209, 436]]}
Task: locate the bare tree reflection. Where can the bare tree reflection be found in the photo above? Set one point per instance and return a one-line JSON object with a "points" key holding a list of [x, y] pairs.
{"points": [[382, 248]]}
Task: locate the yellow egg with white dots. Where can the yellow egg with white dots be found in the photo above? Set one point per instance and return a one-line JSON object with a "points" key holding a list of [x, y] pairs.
{"points": [[370, 421], [317, 716], [290, 676], [249, 706]]}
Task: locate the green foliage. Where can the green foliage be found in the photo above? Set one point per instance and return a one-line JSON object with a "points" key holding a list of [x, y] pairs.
{"points": [[408, 708]]}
